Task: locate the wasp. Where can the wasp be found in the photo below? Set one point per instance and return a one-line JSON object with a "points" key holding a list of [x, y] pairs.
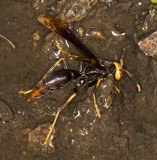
{"points": [[92, 73]]}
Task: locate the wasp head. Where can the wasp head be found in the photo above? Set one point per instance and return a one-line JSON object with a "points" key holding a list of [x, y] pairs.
{"points": [[119, 71]]}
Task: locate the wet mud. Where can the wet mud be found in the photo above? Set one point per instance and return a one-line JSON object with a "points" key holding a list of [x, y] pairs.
{"points": [[127, 128]]}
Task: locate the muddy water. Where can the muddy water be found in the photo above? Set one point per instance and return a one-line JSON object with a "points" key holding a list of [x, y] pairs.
{"points": [[127, 129]]}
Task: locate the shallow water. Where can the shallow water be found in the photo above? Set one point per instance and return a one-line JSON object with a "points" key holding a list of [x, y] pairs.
{"points": [[127, 130]]}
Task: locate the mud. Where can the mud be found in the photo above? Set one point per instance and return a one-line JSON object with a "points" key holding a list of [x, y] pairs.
{"points": [[127, 129]]}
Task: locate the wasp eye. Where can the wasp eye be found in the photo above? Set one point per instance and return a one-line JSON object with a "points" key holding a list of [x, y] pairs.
{"points": [[121, 73]]}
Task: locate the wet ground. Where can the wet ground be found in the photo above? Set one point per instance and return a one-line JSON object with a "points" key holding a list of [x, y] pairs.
{"points": [[127, 129]]}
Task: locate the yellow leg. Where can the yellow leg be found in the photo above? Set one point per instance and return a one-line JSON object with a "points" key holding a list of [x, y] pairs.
{"points": [[57, 114], [118, 90], [58, 46], [77, 58], [66, 103], [52, 127], [95, 104], [25, 92], [53, 67]]}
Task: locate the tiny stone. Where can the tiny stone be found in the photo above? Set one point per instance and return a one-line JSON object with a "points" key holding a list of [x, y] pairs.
{"points": [[36, 36], [24, 153], [81, 31], [25, 131]]}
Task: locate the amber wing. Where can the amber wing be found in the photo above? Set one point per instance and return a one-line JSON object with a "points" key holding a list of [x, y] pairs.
{"points": [[60, 28]]}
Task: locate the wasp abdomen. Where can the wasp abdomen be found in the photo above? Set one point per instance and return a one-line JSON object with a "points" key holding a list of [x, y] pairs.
{"points": [[51, 82], [58, 79]]}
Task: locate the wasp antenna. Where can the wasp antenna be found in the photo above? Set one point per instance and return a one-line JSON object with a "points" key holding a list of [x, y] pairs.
{"points": [[122, 57], [135, 81]]}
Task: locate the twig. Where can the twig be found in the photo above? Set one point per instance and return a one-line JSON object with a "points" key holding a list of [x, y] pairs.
{"points": [[8, 41]]}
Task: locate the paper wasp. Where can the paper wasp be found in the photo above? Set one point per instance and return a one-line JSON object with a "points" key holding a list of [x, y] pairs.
{"points": [[91, 74]]}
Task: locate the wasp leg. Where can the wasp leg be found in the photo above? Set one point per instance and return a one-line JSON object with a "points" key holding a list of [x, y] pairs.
{"points": [[121, 60], [58, 46], [117, 89], [52, 127], [55, 65], [135, 81], [96, 106], [57, 114], [25, 92], [122, 57], [77, 58]]}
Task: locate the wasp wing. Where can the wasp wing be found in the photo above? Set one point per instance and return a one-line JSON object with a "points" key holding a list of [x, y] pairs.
{"points": [[57, 26]]}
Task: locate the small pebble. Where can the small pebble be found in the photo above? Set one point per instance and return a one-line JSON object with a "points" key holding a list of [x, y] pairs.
{"points": [[25, 131], [81, 31], [36, 36], [97, 34]]}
